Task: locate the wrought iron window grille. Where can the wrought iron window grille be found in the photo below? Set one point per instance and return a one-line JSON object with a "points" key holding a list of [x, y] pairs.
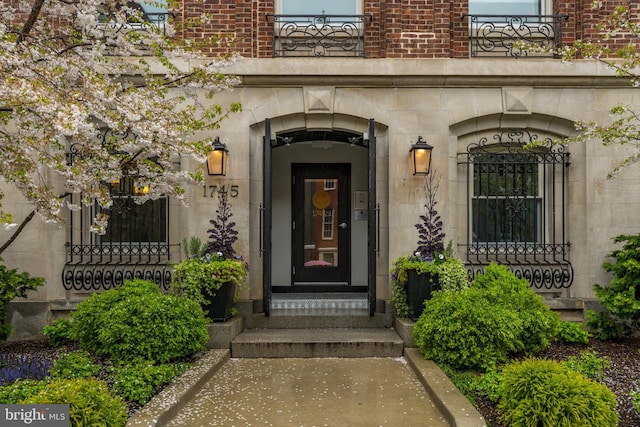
{"points": [[517, 213], [136, 243], [507, 35], [319, 35]]}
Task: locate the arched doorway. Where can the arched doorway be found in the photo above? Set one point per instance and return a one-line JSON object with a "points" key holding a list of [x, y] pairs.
{"points": [[319, 213]]}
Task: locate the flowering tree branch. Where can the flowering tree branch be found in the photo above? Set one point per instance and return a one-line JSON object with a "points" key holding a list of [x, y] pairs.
{"points": [[624, 58], [70, 71]]}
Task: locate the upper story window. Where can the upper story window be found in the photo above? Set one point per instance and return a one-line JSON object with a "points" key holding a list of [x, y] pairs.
{"points": [[151, 11], [318, 28], [503, 27], [320, 7], [507, 7]]}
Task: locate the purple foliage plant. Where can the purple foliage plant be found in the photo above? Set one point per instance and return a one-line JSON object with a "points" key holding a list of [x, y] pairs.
{"points": [[430, 234], [222, 235]]}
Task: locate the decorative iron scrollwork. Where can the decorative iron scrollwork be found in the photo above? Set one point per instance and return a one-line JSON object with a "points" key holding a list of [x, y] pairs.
{"points": [[102, 277], [514, 142], [506, 35], [150, 21], [319, 35], [542, 275]]}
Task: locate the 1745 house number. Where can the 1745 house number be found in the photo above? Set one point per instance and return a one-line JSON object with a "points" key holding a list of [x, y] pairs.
{"points": [[211, 190]]}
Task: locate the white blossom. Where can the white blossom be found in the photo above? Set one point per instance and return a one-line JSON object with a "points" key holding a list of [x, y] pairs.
{"points": [[62, 86]]}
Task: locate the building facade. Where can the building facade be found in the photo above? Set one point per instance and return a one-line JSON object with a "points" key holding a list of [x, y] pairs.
{"points": [[335, 94]]}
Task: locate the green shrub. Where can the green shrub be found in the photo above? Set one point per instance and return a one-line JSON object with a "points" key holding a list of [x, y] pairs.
{"points": [[589, 364], [138, 321], [622, 317], [462, 380], [89, 400], [74, 365], [538, 392], [88, 318], [137, 381], [466, 331], [59, 332], [488, 384], [20, 390], [540, 324], [606, 327], [12, 285], [481, 326], [573, 333]]}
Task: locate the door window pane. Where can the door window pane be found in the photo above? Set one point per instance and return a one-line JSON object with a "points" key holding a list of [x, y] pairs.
{"points": [[506, 7], [320, 237]]}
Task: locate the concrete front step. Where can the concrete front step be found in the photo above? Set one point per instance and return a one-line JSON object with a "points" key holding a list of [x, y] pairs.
{"points": [[325, 342], [319, 319]]}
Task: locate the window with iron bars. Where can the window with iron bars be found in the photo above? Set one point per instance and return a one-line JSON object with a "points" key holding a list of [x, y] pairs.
{"points": [[517, 209], [133, 223], [135, 244]]}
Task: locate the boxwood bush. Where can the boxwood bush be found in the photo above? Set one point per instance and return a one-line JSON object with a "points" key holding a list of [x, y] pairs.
{"points": [[539, 392], [465, 331], [480, 327], [138, 321], [502, 287], [90, 402]]}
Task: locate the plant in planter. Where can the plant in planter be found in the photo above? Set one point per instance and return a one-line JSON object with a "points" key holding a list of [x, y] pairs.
{"points": [[211, 275], [431, 268]]}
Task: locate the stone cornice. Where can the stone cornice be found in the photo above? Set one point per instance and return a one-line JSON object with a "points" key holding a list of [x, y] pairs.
{"points": [[493, 72]]}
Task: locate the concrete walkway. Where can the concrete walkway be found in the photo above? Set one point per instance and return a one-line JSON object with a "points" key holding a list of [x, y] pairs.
{"points": [[219, 391]]}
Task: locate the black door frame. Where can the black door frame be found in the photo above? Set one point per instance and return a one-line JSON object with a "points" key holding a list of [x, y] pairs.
{"points": [[369, 141]]}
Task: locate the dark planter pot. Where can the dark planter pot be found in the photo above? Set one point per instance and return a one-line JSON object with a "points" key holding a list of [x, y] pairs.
{"points": [[419, 289], [219, 307]]}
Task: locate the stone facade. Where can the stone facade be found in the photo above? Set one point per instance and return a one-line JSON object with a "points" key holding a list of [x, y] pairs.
{"points": [[416, 79]]}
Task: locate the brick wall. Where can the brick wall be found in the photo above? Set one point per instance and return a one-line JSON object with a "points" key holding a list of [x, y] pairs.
{"points": [[591, 18], [396, 28]]}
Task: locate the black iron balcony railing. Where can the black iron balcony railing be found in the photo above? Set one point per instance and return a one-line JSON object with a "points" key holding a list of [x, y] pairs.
{"points": [[515, 36], [149, 20], [319, 35]]}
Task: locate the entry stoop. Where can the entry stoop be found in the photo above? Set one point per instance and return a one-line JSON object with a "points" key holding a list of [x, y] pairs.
{"points": [[318, 325], [324, 342]]}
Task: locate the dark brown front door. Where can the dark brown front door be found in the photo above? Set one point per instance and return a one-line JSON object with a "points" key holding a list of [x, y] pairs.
{"points": [[321, 225]]}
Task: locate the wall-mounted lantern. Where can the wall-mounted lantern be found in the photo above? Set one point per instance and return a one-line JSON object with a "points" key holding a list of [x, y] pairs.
{"points": [[420, 156], [217, 159]]}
